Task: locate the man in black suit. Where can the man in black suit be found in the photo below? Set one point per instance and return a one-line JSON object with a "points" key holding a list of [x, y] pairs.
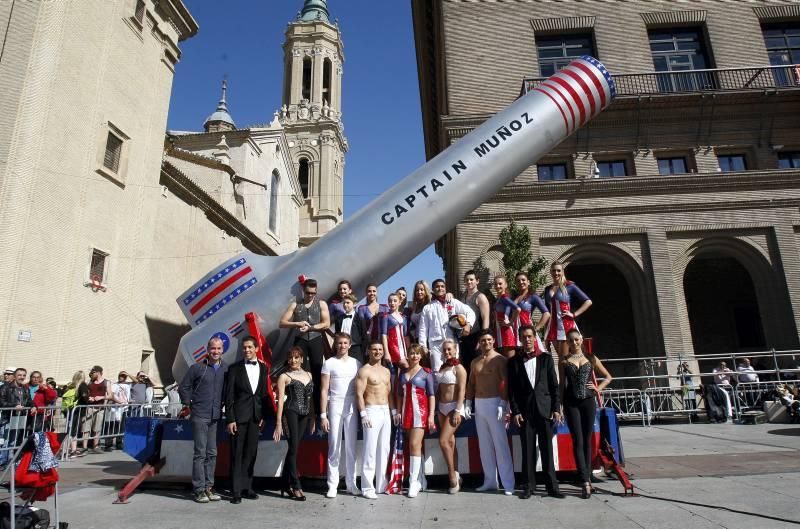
{"points": [[245, 396], [533, 395], [351, 323]]}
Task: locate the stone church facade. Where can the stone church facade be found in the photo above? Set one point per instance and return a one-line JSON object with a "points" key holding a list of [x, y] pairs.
{"points": [[676, 209], [106, 220]]}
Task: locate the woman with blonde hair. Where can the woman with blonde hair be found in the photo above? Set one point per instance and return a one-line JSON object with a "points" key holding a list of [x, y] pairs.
{"points": [[451, 388], [75, 397], [415, 407], [506, 312], [421, 296], [560, 296]]}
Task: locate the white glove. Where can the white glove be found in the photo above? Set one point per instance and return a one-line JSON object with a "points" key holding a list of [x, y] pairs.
{"points": [[467, 410], [365, 422], [502, 409]]}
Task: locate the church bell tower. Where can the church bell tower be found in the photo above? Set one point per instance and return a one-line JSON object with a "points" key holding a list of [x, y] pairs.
{"points": [[311, 115]]}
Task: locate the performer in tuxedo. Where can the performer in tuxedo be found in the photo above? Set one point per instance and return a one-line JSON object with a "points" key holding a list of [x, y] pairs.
{"points": [[534, 398], [351, 322], [245, 399]]}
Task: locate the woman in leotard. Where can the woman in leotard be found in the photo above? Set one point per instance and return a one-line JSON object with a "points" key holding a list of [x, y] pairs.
{"points": [[415, 402], [394, 333], [451, 386], [372, 312], [505, 314], [560, 297], [527, 300], [580, 393]]}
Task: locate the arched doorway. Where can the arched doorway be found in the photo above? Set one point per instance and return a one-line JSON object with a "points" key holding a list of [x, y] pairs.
{"points": [[722, 305], [610, 321], [623, 321]]}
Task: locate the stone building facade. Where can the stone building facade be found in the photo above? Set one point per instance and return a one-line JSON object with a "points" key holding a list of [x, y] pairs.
{"points": [[676, 209]]}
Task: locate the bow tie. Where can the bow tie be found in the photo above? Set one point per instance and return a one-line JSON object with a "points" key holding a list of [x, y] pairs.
{"points": [[252, 363], [532, 354], [347, 316], [451, 362]]}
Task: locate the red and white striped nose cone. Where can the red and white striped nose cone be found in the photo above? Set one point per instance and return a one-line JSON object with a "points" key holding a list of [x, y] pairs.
{"points": [[580, 90]]}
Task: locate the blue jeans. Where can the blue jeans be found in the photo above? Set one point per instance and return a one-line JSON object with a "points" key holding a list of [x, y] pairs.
{"points": [[204, 461]]}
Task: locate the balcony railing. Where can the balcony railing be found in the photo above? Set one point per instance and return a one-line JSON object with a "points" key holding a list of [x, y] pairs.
{"points": [[694, 81]]}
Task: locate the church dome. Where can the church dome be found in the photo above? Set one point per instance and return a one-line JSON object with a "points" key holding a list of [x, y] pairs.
{"points": [[221, 119]]}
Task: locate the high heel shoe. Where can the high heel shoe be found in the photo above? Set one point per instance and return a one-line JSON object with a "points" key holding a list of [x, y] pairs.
{"points": [[586, 493], [457, 487], [289, 491], [298, 495]]}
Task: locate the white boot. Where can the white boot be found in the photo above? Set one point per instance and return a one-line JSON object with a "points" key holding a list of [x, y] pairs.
{"points": [[414, 484]]}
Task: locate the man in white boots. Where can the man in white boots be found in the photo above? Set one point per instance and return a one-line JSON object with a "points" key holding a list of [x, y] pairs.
{"points": [[373, 388], [487, 389], [337, 402]]}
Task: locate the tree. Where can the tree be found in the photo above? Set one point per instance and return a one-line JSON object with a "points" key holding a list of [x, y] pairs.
{"points": [[515, 244]]}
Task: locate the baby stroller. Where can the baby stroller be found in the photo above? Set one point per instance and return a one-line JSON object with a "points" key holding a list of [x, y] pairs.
{"points": [[33, 478]]}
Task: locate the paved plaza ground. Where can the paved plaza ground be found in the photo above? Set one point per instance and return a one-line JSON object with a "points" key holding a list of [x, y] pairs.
{"points": [[689, 476]]}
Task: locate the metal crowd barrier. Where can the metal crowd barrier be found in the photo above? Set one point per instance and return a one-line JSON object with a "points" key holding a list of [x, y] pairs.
{"points": [[628, 403], [99, 426]]}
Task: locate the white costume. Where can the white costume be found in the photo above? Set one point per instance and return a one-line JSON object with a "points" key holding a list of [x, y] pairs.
{"points": [[434, 328], [377, 441], [341, 408], [493, 443]]}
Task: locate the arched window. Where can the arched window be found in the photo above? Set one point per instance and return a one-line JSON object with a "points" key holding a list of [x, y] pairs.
{"points": [[327, 87], [273, 201], [304, 175], [307, 78]]}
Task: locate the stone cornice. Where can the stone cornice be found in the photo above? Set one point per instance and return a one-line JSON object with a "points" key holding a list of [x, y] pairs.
{"points": [[656, 209], [576, 234], [188, 191], [651, 185]]}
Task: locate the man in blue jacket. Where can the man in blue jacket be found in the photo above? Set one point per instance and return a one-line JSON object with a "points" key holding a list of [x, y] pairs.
{"points": [[201, 392]]}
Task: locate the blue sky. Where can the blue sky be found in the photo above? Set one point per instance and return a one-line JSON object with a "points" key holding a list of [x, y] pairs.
{"points": [[242, 39]]}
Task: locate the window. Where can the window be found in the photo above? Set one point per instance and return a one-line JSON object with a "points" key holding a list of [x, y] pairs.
{"points": [[327, 92], [306, 94], [139, 13], [612, 169], [553, 171], [783, 47], [273, 202], [789, 160], [303, 175], [731, 162], [113, 153], [676, 51], [555, 52], [668, 166], [97, 274]]}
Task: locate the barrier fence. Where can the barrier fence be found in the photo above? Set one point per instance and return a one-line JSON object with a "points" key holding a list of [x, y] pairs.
{"points": [[645, 388]]}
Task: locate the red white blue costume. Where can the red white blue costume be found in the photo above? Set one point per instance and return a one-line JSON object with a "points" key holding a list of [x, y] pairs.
{"points": [[415, 394], [503, 311], [395, 328], [526, 308], [373, 321], [560, 300]]}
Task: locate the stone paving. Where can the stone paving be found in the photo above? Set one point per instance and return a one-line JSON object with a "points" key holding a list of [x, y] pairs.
{"points": [[689, 476]]}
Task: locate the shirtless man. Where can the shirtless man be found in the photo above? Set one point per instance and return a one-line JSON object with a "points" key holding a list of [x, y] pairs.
{"points": [[373, 387], [487, 386]]}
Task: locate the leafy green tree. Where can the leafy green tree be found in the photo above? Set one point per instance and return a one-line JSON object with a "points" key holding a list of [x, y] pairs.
{"points": [[515, 244]]}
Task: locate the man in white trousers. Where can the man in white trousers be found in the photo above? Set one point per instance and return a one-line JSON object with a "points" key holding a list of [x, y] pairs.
{"points": [[487, 400], [337, 402], [373, 387], [434, 322]]}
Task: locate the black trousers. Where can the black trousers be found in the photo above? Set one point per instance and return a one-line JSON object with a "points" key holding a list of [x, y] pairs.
{"points": [[467, 350], [541, 430], [315, 357], [580, 419], [244, 448], [296, 427], [357, 352]]}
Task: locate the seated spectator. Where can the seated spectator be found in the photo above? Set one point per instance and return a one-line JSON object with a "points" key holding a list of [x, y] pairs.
{"points": [[746, 373], [722, 375]]}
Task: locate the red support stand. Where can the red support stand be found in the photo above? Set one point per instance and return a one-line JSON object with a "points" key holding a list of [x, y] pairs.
{"points": [[147, 471], [606, 455]]}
